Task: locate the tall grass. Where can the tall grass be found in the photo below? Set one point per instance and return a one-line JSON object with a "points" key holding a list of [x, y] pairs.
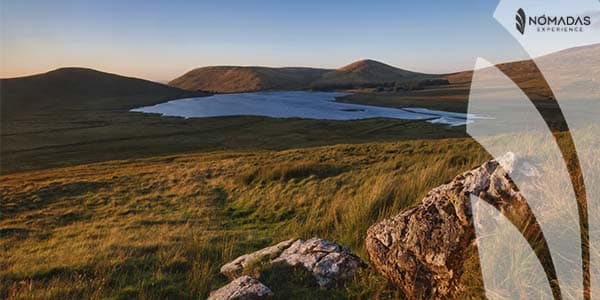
{"points": [[162, 227]]}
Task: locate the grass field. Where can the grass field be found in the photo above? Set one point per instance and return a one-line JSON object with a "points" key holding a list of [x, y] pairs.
{"points": [[89, 134], [139, 224], [161, 227], [98, 202], [167, 201]]}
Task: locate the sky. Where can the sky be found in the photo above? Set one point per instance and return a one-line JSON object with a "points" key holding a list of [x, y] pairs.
{"points": [[160, 40]]}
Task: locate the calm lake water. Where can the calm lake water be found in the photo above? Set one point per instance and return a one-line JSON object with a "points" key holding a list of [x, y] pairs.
{"points": [[308, 105]]}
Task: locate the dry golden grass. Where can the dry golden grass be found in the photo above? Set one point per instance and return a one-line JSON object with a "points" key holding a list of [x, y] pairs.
{"points": [[162, 227]]}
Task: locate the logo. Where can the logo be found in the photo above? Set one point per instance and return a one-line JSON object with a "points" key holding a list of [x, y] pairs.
{"points": [[548, 23], [521, 20]]}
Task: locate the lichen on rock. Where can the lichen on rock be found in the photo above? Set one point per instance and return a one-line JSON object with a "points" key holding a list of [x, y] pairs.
{"points": [[423, 249], [242, 288]]}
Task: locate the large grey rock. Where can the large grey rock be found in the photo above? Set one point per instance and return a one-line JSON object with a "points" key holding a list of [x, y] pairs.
{"points": [[329, 263], [236, 267], [242, 288], [422, 250]]}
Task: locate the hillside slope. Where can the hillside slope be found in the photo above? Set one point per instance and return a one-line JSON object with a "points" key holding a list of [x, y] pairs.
{"points": [[162, 227], [575, 69], [371, 73], [73, 116], [230, 79], [79, 88], [366, 72]]}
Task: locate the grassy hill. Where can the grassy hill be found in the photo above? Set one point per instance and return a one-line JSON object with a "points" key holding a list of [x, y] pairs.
{"points": [[567, 69], [564, 68], [364, 73], [371, 73], [78, 89], [161, 227], [226, 79], [454, 94], [231, 79], [73, 116], [137, 223]]}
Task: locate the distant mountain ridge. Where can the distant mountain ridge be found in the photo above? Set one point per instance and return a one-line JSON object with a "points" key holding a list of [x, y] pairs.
{"points": [[82, 88], [366, 72], [574, 69], [79, 89], [232, 79], [369, 73]]}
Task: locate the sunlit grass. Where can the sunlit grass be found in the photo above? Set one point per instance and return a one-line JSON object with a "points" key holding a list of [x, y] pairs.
{"points": [[162, 227]]}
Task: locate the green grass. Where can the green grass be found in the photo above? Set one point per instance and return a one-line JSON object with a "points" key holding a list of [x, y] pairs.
{"points": [[138, 224], [142, 224], [447, 98], [82, 116], [162, 227], [167, 201], [68, 138]]}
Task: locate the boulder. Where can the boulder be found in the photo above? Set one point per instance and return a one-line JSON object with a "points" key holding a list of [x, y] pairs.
{"points": [[329, 263], [242, 288], [235, 268], [423, 250]]}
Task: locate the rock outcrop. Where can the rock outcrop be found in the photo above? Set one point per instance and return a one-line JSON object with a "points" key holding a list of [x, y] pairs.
{"points": [[235, 268], [242, 288], [327, 262], [422, 250]]}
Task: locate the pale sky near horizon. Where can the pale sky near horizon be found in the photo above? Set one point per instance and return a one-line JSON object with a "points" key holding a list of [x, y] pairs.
{"points": [[160, 40]]}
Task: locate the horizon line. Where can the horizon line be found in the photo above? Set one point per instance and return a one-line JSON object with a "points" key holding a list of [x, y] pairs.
{"points": [[269, 66]]}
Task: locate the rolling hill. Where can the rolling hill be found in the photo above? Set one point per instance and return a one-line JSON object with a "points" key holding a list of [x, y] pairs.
{"points": [[371, 73], [79, 88], [365, 72], [232, 79], [573, 71]]}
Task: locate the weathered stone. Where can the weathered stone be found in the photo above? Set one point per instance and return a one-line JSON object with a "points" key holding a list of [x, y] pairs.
{"points": [[329, 262], [422, 250], [242, 288], [236, 267]]}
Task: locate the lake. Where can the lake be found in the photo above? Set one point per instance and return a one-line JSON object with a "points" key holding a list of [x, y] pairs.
{"points": [[307, 105]]}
